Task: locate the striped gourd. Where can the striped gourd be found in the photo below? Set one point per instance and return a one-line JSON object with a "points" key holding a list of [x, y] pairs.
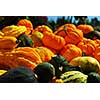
{"points": [[73, 77]]}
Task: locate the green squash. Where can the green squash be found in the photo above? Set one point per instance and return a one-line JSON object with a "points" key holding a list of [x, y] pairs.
{"points": [[93, 77], [25, 41], [92, 35], [19, 75], [73, 77], [45, 72], [60, 64]]}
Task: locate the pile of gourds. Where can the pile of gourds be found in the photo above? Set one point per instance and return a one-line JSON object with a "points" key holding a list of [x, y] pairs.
{"points": [[22, 45]]}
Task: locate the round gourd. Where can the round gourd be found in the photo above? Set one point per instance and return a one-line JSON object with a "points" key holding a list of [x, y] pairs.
{"points": [[37, 38], [64, 29], [71, 51], [45, 72], [43, 29], [73, 77], [53, 41], [60, 63], [87, 46], [27, 23], [85, 28], [87, 63], [74, 36]]}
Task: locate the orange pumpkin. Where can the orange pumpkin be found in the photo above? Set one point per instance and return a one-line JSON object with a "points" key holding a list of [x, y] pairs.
{"points": [[97, 53], [87, 46], [43, 29], [27, 23], [64, 29], [71, 51], [74, 37], [53, 41], [85, 28]]}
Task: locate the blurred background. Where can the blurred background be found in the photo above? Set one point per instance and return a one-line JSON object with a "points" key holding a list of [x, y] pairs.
{"points": [[52, 21]]}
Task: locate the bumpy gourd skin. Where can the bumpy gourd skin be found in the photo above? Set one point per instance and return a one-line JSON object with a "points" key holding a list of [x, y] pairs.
{"points": [[73, 77], [14, 30], [53, 41], [8, 42]]}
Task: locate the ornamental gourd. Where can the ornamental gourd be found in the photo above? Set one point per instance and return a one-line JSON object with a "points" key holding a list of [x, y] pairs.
{"points": [[27, 23], [25, 41], [92, 35], [36, 37], [14, 30], [18, 57], [85, 28], [97, 53], [71, 51], [43, 29], [87, 46], [88, 64], [44, 53], [21, 74], [53, 41], [74, 37], [8, 42], [73, 77], [65, 29], [45, 72]]}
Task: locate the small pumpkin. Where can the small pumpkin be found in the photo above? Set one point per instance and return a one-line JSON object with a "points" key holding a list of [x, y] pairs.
{"points": [[27, 23], [53, 41], [85, 28], [97, 53], [65, 29], [74, 37], [43, 29], [87, 46], [71, 51]]}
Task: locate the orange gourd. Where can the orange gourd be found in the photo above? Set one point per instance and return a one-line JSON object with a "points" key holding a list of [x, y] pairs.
{"points": [[44, 53], [43, 29], [74, 37], [53, 41], [27, 23], [85, 28], [71, 51], [87, 46], [64, 29], [97, 53]]}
